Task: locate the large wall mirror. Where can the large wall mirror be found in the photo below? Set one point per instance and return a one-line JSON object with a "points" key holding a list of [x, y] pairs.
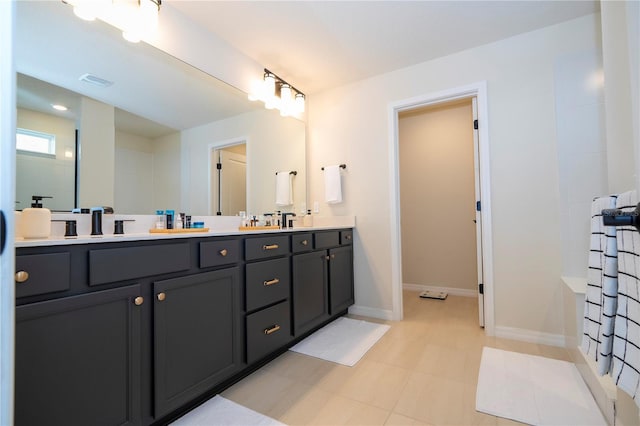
{"points": [[150, 128]]}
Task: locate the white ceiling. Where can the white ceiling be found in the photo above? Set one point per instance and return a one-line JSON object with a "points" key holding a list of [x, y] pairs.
{"points": [[315, 45]]}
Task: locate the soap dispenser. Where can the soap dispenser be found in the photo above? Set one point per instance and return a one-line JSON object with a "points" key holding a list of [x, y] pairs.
{"points": [[36, 220]]}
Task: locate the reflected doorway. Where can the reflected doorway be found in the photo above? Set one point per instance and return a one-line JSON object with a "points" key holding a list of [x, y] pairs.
{"points": [[229, 180]]}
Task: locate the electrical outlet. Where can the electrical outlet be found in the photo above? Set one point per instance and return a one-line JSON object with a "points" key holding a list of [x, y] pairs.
{"points": [[316, 207]]}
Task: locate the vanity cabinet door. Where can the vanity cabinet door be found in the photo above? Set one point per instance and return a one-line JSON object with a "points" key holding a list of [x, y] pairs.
{"points": [[310, 291], [78, 360], [197, 336], [341, 278]]}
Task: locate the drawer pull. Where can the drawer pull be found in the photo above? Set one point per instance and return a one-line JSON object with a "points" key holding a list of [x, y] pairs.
{"points": [[271, 282], [22, 276], [138, 300], [270, 247], [304, 242], [271, 330], [223, 252], [161, 296]]}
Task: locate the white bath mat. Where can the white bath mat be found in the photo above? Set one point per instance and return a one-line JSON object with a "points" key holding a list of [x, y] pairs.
{"points": [[219, 411], [343, 341], [534, 390]]}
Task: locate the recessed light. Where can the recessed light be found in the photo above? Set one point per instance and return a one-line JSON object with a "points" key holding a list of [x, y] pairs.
{"points": [[59, 107]]}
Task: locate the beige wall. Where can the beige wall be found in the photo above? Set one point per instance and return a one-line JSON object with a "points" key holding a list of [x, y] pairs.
{"points": [[272, 145], [350, 124], [437, 196], [97, 154], [147, 176], [37, 175]]}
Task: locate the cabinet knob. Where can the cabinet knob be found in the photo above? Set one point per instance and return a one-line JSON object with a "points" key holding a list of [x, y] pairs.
{"points": [[327, 257], [304, 242], [22, 276], [271, 282], [223, 252], [161, 296], [333, 256], [138, 300], [347, 237], [270, 247], [271, 330]]}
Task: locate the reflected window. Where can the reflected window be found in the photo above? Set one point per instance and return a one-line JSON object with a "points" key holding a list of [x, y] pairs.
{"points": [[35, 142]]}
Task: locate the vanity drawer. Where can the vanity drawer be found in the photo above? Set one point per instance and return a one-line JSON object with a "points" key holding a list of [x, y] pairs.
{"points": [[346, 237], [120, 264], [42, 273], [327, 239], [302, 242], [216, 253], [265, 247], [267, 282], [268, 330]]}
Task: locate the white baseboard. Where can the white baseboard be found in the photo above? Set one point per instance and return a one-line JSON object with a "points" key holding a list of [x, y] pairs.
{"points": [[531, 336], [366, 311], [602, 387], [450, 290]]}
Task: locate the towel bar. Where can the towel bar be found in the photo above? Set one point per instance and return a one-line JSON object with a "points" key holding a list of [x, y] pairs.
{"points": [[293, 172], [616, 217], [342, 166]]}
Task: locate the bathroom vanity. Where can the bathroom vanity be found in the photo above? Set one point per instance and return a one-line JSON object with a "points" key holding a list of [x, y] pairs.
{"points": [[136, 332]]}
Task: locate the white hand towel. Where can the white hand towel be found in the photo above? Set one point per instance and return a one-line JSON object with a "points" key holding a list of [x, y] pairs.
{"points": [[332, 185], [284, 189], [626, 341], [602, 288]]}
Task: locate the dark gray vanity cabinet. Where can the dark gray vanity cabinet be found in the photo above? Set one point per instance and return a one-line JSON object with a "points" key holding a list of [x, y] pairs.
{"points": [[137, 332], [310, 291], [322, 279], [340, 279], [77, 359], [267, 295], [197, 338]]}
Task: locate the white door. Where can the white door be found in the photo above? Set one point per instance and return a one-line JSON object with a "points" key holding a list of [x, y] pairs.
{"points": [[478, 219], [7, 205], [233, 183]]}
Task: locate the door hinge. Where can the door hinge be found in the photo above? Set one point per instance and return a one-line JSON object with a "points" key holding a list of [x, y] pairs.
{"points": [[219, 166], [475, 124], [478, 206], [481, 288]]}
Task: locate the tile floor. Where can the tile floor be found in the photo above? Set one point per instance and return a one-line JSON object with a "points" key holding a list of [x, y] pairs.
{"points": [[423, 371]]}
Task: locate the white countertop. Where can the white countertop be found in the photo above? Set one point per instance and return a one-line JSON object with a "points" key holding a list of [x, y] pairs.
{"points": [[218, 226]]}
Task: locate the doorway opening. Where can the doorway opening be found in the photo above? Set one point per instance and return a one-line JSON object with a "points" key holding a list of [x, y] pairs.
{"points": [[228, 179], [476, 215]]}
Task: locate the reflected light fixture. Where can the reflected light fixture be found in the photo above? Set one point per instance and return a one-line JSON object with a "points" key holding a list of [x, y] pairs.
{"points": [[59, 107], [136, 18], [277, 93]]}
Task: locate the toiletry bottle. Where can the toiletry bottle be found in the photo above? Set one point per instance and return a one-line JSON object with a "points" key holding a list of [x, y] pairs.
{"points": [[36, 220], [308, 219], [160, 220], [178, 221], [169, 219]]}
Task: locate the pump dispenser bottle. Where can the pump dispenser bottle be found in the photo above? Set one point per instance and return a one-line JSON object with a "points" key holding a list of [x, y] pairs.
{"points": [[36, 220]]}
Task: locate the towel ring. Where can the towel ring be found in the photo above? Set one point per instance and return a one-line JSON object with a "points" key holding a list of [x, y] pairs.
{"points": [[342, 166], [616, 217]]}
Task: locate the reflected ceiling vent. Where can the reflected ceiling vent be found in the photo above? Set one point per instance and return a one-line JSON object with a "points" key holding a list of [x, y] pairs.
{"points": [[100, 82]]}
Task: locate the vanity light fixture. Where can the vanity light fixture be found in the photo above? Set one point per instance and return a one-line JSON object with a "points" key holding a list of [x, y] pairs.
{"points": [[136, 18], [59, 107], [277, 93]]}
